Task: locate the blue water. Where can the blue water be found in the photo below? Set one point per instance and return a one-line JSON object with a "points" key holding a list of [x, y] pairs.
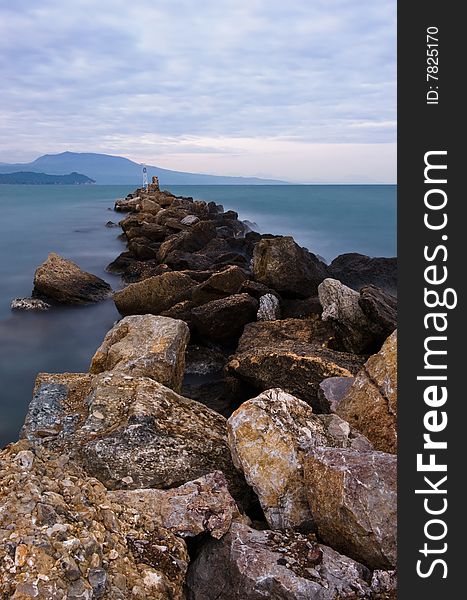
{"points": [[70, 220]]}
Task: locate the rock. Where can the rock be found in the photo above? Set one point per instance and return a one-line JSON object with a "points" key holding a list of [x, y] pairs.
{"points": [[255, 565], [371, 403], [202, 360], [268, 438], [149, 231], [269, 308], [357, 270], [301, 309], [190, 220], [196, 238], [149, 206], [155, 294], [331, 391], [200, 506], [145, 346], [63, 281], [380, 308], [341, 307], [353, 499], [224, 283], [295, 367], [29, 304], [225, 318], [126, 204], [91, 549], [181, 311], [286, 267]]}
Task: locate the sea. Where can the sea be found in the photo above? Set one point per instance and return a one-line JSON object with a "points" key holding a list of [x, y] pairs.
{"points": [[71, 220]]}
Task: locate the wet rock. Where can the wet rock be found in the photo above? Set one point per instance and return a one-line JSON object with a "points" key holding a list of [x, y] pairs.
{"points": [[371, 403], [380, 308], [92, 548], [111, 224], [269, 308], [353, 499], [286, 267], [155, 294], [268, 438], [252, 565], [331, 391], [357, 270], [219, 285], [341, 307], [63, 281], [146, 346], [225, 318], [295, 367], [29, 304], [201, 506]]}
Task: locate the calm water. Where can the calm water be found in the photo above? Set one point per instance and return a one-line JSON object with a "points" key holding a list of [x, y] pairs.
{"points": [[70, 220]]}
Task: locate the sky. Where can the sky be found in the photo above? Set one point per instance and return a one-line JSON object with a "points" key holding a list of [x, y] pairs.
{"points": [[301, 90]]}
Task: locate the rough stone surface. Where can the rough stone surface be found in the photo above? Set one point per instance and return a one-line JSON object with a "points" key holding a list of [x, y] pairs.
{"points": [[223, 319], [190, 220], [380, 308], [341, 307], [61, 536], [247, 564], [353, 499], [295, 367], [63, 281], [201, 506], [219, 285], [269, 437], [371, 403], [282, 264], [155, 294], [147, 346], [29, 304], [269, 308], [331, 391], [357, 270]]}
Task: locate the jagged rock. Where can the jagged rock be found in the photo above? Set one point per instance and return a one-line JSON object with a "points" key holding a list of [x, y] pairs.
{"points": [[268, 438], [286, 267], [190, 220], [247, 564], [331, 391], [148, 231], [29, 304], [380, 308], [149, 206], [111, 224], [155, 294], [219, 285], [257, 290], [63, 281], [196, 238], [182, 311], [341, 307], [126, 204], [357, 270], [225, 318], [71, 540], [295, 367], [293, 308], [146, 346], [201, 506], [353, 499], [269, 308], [371, 403]]}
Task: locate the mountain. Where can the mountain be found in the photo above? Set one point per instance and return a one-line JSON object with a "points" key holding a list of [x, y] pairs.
{"points": [[29, 177], [107, 169]]}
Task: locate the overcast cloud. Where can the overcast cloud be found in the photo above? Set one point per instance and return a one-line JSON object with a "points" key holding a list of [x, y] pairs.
{"points": [[303, 90]]}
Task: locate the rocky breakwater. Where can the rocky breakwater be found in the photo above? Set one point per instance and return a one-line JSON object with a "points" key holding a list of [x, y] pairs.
{"points": [[128, 482]]}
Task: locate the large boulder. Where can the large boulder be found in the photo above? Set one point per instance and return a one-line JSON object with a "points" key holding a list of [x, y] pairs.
{"points": [[247, 564], [71, 540], [268, 438], [370, 405], [62, 281], [295, 367], [223, 319], [146, 346], [357, 270], [282, 264], [380, 308], [341, 308], [353, 499], [219, 285], [155, 294]]}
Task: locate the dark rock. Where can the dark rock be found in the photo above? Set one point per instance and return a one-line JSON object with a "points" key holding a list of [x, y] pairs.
{"points": [[111, 224], [256, 289], [225, 318], [63, 281], [357, 270], [142, 248], [196, 238], [380, 308], [219, 285], [286, 267], [181, 310], [301, 309], [331, 391]]}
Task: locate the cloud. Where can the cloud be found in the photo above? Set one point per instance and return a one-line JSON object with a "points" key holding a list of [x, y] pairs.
{"points": [[121, 76]]}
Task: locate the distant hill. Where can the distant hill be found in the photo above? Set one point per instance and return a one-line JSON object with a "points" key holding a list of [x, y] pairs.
{"points": [[30, 177], [107, 169]]}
